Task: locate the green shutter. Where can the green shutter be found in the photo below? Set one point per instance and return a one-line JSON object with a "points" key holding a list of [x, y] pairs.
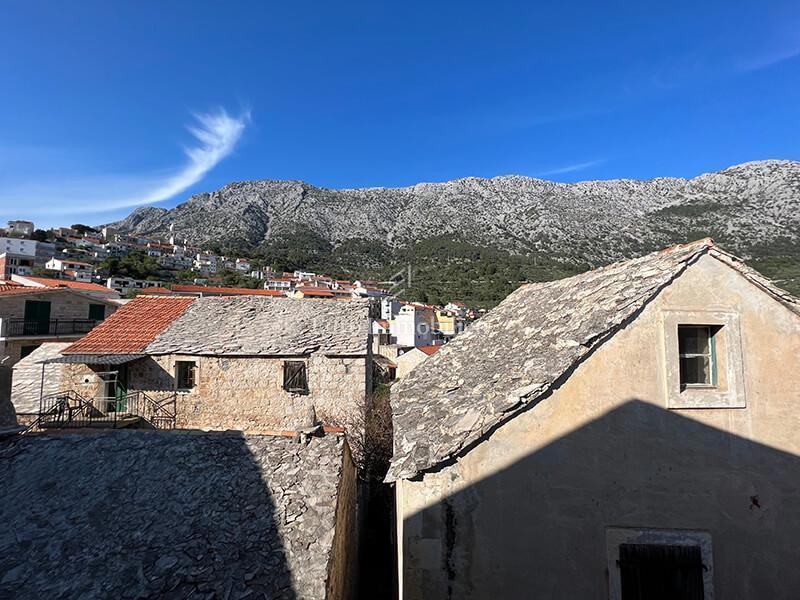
{"points": [[97, 312]]}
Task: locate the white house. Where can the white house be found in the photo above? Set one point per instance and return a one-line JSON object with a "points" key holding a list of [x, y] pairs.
{"points": [[123, 285], [21, 227], [80, 271], [206, 263], [413, 326]]}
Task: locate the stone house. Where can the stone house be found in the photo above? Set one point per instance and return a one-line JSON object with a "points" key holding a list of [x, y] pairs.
{"points": [[35, 377], [30, 316], [250, 363], [206, 515], [94, 290], [630, 432]]}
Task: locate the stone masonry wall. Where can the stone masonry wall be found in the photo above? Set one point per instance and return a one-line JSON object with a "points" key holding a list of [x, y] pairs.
{"points": [[247, 393]]}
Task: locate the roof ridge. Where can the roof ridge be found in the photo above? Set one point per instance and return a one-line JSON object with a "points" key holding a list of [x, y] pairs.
{"points": [[562, 322]]}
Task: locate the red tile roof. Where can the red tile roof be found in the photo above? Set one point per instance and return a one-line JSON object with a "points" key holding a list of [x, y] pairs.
{"points": [[208, 289], [75, 285], [132, 327], [429, 349], [312, 291], [231, 291], [10, 289]]}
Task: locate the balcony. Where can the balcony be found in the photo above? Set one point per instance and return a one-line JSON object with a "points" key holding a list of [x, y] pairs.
{"points": [[50, 328]]}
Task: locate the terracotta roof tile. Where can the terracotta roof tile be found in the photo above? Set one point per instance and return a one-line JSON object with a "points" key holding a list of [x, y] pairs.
{"points": [[228, 291], [11, 289], [429, 349], [75, 285], [132, 327]]}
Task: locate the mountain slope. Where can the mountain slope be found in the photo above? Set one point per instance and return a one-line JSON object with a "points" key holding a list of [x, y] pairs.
{"points": [[752, 209]]}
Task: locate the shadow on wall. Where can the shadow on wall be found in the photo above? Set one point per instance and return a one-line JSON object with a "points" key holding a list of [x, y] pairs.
{"points": [[538, 529], [147, 374], [8, 416], [140, 514]]}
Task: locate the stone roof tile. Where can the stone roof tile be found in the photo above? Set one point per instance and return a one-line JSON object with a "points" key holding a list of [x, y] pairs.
{"points": [[516, 352], [175, 514], [264, 326]]}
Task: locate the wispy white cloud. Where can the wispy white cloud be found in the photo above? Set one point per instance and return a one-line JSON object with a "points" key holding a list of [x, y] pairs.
{"points": [[571, 168], [215, 137], [771, 58]]}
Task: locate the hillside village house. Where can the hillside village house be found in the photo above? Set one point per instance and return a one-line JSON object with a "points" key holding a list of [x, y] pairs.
{"points": [[250, 363], [31, 316], [626, 433], [25, 228], [90, 289], [125, 285], [15, 264], [78, 270]]}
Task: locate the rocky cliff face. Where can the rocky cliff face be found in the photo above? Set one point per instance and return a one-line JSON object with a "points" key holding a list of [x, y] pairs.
{"points": [[746, 207]]}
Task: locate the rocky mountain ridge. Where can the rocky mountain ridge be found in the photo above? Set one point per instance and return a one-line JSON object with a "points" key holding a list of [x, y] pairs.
{"points": [[745, 207]]}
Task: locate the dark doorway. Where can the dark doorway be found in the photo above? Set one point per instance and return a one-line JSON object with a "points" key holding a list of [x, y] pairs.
{"points": [[97, 312], [661, 572], [37, 317]]}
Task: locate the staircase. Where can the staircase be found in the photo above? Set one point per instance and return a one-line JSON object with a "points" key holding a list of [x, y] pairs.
{"points": [[70, 410]]}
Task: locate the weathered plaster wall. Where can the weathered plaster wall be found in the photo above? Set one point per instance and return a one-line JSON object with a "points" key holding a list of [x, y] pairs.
{"points": [[408, 360], [525, 513]]}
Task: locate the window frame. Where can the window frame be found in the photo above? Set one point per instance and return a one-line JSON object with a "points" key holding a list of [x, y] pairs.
{"points": [[302, 367], [192, 372], [711, 332], [729, 391]]}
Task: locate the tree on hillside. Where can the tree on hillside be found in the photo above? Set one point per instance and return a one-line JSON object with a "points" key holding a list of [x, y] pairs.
{"points": [[81, 229]]}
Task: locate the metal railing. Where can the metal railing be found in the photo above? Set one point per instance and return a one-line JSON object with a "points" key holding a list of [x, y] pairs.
{"points": [[158, 412], [71, 410], [54, 327]]}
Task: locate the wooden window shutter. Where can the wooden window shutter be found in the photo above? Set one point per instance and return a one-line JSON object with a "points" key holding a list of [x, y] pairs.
{"points": [[294, 377], [661, 572]]}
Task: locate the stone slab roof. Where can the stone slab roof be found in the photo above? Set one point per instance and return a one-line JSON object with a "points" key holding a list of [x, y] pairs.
{"points": [[149, 514], [26, 382], [263, 326], [516, 352]]}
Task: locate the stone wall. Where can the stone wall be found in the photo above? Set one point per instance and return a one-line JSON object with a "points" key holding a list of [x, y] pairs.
{"points": [[247, 393], [342, 572], [529, 511], [32, 379]]}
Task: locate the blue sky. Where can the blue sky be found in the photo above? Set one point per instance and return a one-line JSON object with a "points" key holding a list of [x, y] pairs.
{"points": [[107, 105]]}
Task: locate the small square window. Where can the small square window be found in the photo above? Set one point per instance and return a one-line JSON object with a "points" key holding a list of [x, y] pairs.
{"points": [[697, 353], [185, 374], [295, 379]]}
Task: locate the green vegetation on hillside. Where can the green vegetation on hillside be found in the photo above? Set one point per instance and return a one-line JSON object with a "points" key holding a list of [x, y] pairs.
{"points": [[445, 268], [136, 264]]}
